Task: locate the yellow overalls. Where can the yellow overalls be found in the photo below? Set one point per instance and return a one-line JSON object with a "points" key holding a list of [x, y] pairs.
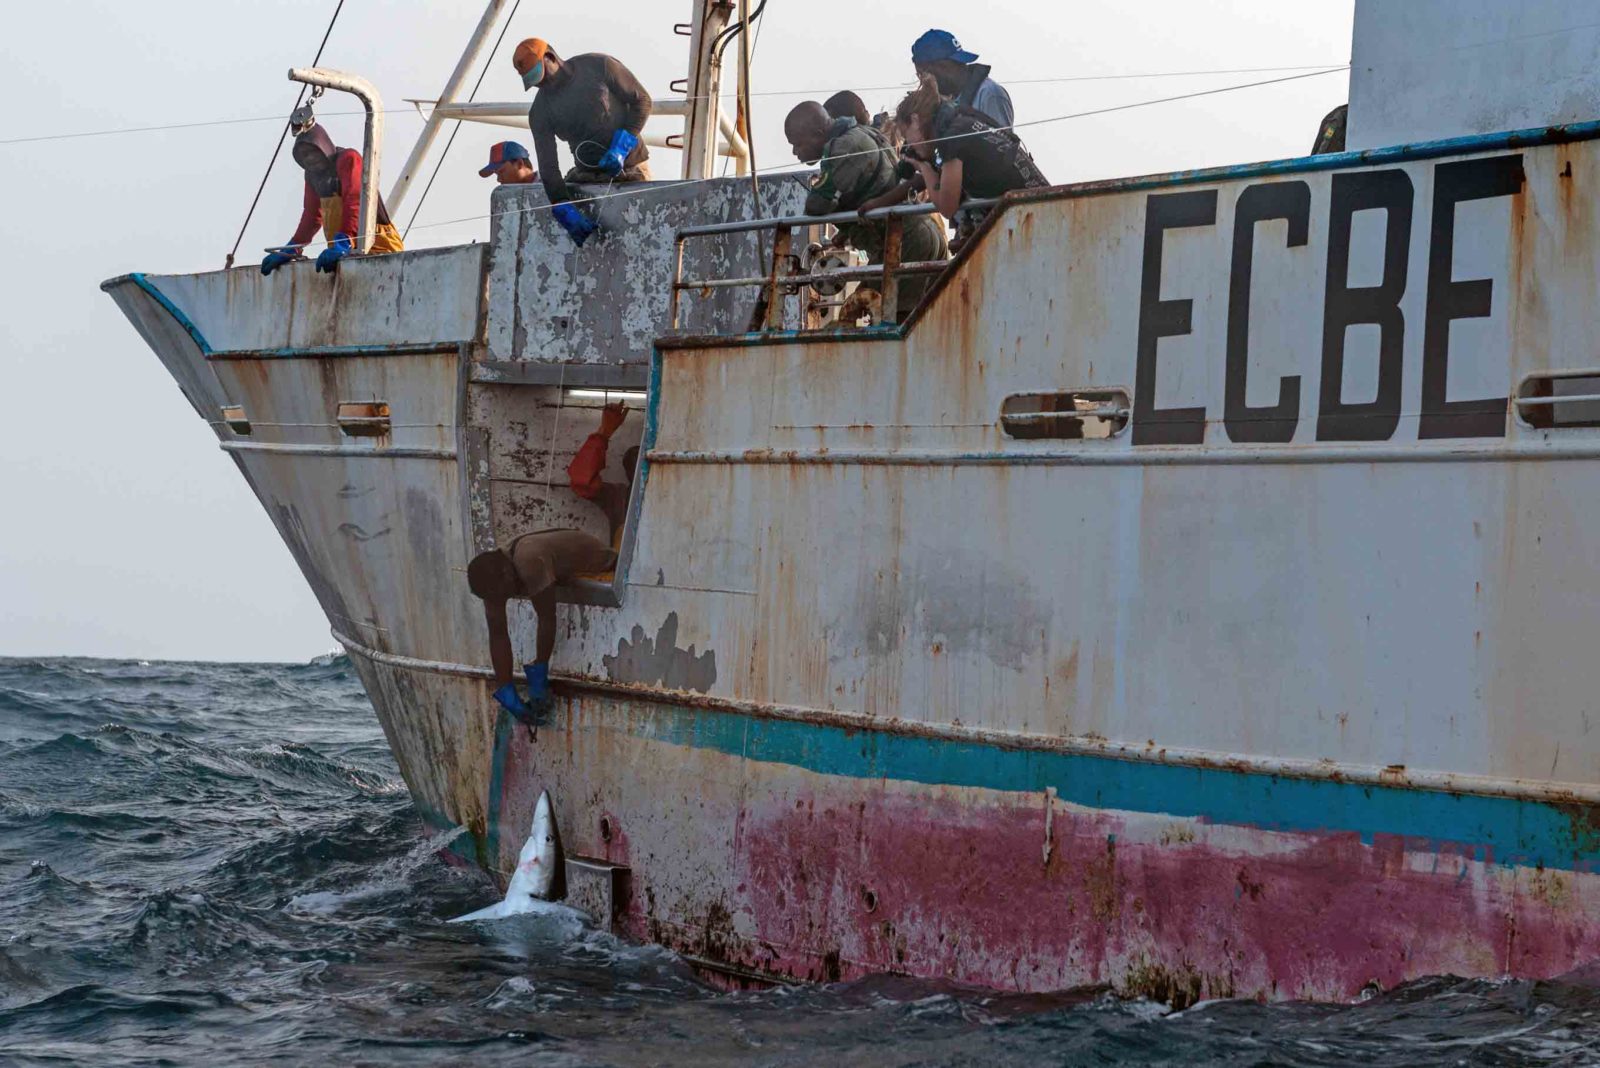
{"points": [[385, 238]]}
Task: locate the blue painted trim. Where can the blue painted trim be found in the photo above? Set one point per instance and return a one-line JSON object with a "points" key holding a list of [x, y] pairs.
{"points": [[652, 415], [463, 846], [1370, 157], [1504, 830], [172, 309], [1532, 137]]}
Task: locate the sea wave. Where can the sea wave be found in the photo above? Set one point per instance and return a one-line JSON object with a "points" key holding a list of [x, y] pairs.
{"points": [[217, 864]]}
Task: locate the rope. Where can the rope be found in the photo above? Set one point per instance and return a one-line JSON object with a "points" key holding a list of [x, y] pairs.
{"points": [[754, 45], [281, 138], [718, 46], [481, 75], [37, 138], [908, 86], [648, 188], [176, 126], [778, 171]]}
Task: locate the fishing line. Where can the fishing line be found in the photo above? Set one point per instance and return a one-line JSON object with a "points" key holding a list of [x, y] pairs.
{"points": [[780, 172], [178, 126], [237, 241], [863, 89], [906, 86]]}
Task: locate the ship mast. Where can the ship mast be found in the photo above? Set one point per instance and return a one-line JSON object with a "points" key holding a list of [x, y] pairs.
{"points": [[452, 88], [703, 87]]}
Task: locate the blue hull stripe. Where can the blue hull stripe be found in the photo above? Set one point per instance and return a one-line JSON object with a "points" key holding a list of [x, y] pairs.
{"points": [[1498, 829], [172, 309]]}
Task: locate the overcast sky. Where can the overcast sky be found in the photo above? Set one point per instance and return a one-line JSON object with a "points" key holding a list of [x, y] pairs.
{"points": [[126, 532]]}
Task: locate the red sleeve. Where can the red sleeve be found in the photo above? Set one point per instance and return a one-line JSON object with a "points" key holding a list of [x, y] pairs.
{"points": [[310, 218], [586, 467], [350, 193]]}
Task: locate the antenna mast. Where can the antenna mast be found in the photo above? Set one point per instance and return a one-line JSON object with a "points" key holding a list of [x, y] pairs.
{"points": [[746, 119], [703, 88]]}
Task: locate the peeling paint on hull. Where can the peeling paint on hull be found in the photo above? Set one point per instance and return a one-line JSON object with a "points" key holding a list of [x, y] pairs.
{"points": [[878, 687], [829, 876]]}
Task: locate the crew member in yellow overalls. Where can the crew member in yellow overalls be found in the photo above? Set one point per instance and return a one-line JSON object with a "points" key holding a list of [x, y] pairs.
{"points": [[333, 202]]}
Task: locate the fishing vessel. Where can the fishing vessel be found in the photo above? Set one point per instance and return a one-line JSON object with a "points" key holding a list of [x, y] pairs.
{"points": [[1196, 594]]}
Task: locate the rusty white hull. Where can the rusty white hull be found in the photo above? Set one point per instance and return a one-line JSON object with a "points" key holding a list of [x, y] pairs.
{"points": [[1281, 687]]}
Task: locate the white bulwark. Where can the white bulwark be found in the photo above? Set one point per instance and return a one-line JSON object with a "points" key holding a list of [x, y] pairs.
{"points": [[1421, 70]]}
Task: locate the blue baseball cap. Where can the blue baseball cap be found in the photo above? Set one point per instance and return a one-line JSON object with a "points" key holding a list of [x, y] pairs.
{"points": [[501, 153], [939, 44]]}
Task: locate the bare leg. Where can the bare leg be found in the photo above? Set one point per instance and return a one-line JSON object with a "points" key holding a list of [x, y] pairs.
{"points": [[544, 607]]}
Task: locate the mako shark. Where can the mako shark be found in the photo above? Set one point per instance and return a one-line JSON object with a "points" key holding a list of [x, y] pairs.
{"points": [[536, 871]]}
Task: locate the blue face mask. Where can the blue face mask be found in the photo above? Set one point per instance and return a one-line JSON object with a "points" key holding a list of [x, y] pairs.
{"points": [[534, 76]]}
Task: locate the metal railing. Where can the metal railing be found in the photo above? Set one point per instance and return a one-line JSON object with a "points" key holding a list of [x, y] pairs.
{"points": [[371, 141], [780, 279]]}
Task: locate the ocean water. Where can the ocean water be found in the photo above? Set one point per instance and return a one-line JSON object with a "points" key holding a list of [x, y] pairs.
{"points": [[216, 864]]}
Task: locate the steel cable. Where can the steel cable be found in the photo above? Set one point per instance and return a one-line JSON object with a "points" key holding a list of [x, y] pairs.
{"points": [[779, 171], [279, 147], [907, 86], [457, 129]]}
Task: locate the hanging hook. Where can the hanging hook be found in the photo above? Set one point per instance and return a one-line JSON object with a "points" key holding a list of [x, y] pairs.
{"points": [[302, 119]]}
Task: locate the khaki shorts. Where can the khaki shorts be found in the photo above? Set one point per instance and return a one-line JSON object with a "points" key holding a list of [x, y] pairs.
{"points": [[547, 558]]}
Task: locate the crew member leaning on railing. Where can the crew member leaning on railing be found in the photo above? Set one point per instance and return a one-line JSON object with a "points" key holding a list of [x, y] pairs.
{"points": [[855, 164], [333, 202], [594, 104], [532, 566], [976, 161]]}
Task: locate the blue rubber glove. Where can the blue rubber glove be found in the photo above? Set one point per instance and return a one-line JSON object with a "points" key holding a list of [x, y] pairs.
{"points": [[616, 158], [277, 258], [538, 681], [507, 696], [340, 247], [574, 222]]}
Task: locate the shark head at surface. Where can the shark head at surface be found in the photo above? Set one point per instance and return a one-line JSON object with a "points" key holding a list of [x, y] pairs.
{"points": [[536, 864], [535, 873]]}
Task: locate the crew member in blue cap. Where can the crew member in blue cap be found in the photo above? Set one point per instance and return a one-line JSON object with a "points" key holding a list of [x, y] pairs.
{"points": [[510, 164], [961, 77]]}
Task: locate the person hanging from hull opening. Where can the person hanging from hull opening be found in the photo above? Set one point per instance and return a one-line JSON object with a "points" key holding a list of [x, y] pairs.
{"points": [[856, 164], [534, 564], [594, 104], [333, 203]]}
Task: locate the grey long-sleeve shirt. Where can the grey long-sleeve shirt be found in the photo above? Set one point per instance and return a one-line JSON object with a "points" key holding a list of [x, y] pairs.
{"points": [[983, 93], [594, 97]]}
